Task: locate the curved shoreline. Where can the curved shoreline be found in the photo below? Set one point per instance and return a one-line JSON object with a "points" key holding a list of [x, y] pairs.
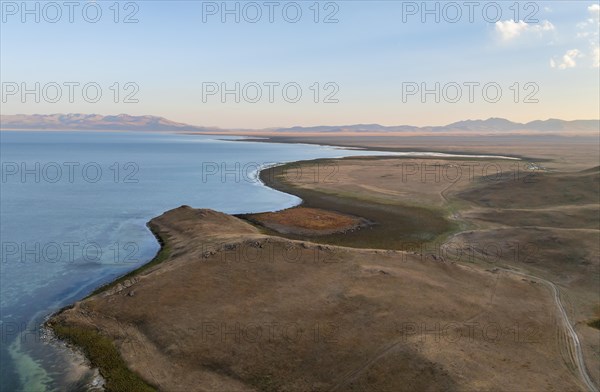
{"points": [[94, 346], [262, 179], [161, 255], [263, 176], [87, 345]]}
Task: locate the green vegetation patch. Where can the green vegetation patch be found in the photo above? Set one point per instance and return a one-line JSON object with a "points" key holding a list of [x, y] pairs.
{"points": [[594, 323], [102, 354], [265, 383]]}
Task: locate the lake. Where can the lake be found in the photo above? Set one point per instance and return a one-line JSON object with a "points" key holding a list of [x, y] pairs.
{"points": [[73, 213]]}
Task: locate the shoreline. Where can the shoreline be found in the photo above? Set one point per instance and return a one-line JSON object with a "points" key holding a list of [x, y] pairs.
{"points": [[86, 346], [385, 235], [420, 153], [266, 177], [87, 342], [124, 281], [362, 139]]}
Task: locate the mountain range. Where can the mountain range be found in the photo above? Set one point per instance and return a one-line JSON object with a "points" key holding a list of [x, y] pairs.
{"points": [[125, 122], [489, 125], [121, 122]]}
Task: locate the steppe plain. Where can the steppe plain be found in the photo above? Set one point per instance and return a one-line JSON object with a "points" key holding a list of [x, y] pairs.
{"points": [[396, 273]]}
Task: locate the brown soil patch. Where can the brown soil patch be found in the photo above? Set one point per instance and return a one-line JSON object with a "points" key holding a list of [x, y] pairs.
{"points": [[307, 221]]}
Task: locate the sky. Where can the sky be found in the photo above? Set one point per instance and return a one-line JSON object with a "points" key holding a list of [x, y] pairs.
{"points": [[276, 64]]}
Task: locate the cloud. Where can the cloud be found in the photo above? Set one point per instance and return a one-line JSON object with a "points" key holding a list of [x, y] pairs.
{"points": [[509, 30], [593, 21], [589, 30], [594, 10], [567, 60]]}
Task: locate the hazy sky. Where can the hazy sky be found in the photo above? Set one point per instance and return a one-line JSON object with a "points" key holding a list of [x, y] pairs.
{"points": [[369, 64]]}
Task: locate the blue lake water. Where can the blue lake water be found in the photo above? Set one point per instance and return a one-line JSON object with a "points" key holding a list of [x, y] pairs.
{"points": [[73, 213]]}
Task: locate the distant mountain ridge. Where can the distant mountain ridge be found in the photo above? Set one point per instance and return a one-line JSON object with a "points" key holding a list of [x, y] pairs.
{"points": [[125, 122], [121, 122], [489, 125]]}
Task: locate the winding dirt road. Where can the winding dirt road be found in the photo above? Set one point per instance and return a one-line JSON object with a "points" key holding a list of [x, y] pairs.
{"points": [[575, 353]]}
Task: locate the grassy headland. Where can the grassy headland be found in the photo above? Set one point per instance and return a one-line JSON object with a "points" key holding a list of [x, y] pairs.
{"points": [[191, 318]]}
